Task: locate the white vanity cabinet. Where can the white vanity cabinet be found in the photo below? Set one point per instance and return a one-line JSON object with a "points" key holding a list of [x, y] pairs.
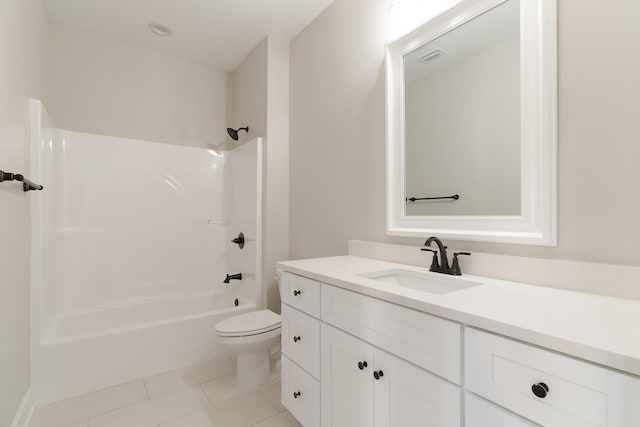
{"points": [[363, 385], [353, 360]]}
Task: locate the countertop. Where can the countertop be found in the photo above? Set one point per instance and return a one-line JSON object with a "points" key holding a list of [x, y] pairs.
{"points": [[600, 329]]}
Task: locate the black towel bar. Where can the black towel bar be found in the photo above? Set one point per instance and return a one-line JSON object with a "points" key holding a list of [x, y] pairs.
{"points": [[415, 199]]}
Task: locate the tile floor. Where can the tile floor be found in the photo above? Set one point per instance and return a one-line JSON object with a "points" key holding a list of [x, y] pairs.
{"points": [[203, 395]]}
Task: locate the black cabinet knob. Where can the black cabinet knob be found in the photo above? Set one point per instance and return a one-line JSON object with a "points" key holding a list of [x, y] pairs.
{"points": [[296, 338], [540, 390], [378, 374], [362, 365], [296, 394], [296, 293]]}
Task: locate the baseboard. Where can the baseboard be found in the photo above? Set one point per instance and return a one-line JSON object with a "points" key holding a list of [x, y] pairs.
{"points": [[25, 410]]}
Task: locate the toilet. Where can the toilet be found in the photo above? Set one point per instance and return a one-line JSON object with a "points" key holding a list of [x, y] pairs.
{"points": [[252, 337]]}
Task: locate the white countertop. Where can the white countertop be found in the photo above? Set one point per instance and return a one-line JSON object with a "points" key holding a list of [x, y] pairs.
{"points": [[600, 329]]}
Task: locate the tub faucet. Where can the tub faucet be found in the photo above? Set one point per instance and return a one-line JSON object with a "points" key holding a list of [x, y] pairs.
{"points": [[231, 277]]}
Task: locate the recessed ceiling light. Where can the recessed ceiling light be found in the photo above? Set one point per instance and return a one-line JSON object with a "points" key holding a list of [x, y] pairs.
{"points": [[160, 30]]}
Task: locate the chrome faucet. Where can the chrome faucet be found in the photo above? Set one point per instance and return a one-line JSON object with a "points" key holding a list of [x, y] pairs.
{"points": [[443, 265]]}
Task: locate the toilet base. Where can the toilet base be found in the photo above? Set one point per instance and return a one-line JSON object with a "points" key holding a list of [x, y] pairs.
{"points": [[253, 369]]}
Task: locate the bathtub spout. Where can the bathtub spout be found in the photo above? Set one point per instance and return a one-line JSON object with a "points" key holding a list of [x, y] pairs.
{"points": [[231, 277]]}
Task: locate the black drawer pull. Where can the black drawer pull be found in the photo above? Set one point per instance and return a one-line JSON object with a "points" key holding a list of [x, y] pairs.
{"points": [[296, 394], [362, 365], [540, 390], [296, 338], [378, 374], [296, 292]]}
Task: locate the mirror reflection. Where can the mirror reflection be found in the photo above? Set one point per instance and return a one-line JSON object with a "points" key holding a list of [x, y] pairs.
{"points": [[462, 118]]}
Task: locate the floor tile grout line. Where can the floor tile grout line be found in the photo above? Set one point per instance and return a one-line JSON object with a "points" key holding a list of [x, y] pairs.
{"points": [[208, 402], [205, 394], [222, 401], [183, 386], [132, 404], [146, 388], [182, 416], [98, 413], [269, 418], [266, 419]]}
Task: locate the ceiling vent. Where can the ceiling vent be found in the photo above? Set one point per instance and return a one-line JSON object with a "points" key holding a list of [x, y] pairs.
{"points": [[432, 54]]}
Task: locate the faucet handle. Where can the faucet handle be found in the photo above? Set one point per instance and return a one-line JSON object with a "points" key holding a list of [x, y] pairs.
{"points": [[455, 266], [434, 261]]}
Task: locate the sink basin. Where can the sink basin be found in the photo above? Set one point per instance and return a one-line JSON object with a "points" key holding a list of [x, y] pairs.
{"points": [[433, 283]]}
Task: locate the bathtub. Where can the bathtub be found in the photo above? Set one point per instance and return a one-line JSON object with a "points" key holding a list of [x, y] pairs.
{"points": [[86, 351]]}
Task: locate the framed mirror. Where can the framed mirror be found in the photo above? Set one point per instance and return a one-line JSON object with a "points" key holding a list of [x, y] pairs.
{"points": [[472, 125]]}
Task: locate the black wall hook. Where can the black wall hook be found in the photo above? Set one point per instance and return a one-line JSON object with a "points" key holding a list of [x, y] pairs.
{"points": [[26, 184]]}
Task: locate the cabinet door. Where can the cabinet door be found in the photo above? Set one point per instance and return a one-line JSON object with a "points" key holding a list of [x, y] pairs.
{"points": [[408, 396], [347, 390]]}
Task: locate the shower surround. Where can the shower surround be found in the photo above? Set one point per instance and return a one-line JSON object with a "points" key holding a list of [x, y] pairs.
{"points": [[131, 242]]}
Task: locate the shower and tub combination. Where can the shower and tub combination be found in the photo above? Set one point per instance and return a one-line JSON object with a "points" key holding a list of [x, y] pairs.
{"points": [[131, 245]]}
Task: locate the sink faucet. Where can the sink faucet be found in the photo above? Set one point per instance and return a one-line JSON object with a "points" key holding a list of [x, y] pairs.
{"points": [[443, 265]]}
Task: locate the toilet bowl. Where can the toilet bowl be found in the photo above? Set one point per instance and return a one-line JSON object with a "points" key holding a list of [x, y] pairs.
{"points": [[251, 337]]}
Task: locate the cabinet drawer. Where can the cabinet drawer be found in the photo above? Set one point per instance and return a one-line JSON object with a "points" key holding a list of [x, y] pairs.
{"points": [[301, 339], [480, 413], [579, 393], [300, 394], [301, 293], [427, 341]]}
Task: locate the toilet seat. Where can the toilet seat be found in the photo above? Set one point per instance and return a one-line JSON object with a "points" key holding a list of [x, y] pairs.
{"points": [[253, 323]]}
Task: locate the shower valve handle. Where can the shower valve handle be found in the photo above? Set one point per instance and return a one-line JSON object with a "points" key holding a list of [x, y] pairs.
{"points": [[239, 240]]}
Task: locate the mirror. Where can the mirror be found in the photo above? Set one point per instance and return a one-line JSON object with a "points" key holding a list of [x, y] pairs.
{"points": [[471, 125]]}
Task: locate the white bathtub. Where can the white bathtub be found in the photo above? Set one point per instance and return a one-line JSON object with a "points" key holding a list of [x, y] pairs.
{"points": [[90, 350]]}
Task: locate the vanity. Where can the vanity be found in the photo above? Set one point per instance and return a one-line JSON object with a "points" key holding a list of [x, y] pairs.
{"points": [[373, 343]]}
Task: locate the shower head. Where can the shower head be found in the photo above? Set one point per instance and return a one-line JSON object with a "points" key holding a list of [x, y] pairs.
{"points": [[233, 133]]}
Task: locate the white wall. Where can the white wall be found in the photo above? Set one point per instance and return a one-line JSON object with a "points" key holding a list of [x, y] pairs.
{"points": [[101, 85], [23, 45], [249, 94], [337, 133], [261, 101], [337, 129]]}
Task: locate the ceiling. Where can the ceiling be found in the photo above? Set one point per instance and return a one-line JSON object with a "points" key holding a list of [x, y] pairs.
{"points": [[220, 33]]}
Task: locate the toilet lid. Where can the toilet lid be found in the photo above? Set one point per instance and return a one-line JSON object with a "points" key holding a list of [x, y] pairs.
{"points": [[252, 323]]}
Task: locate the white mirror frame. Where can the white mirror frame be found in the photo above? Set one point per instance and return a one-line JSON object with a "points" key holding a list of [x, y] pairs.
{"points": [[537, 223]]}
